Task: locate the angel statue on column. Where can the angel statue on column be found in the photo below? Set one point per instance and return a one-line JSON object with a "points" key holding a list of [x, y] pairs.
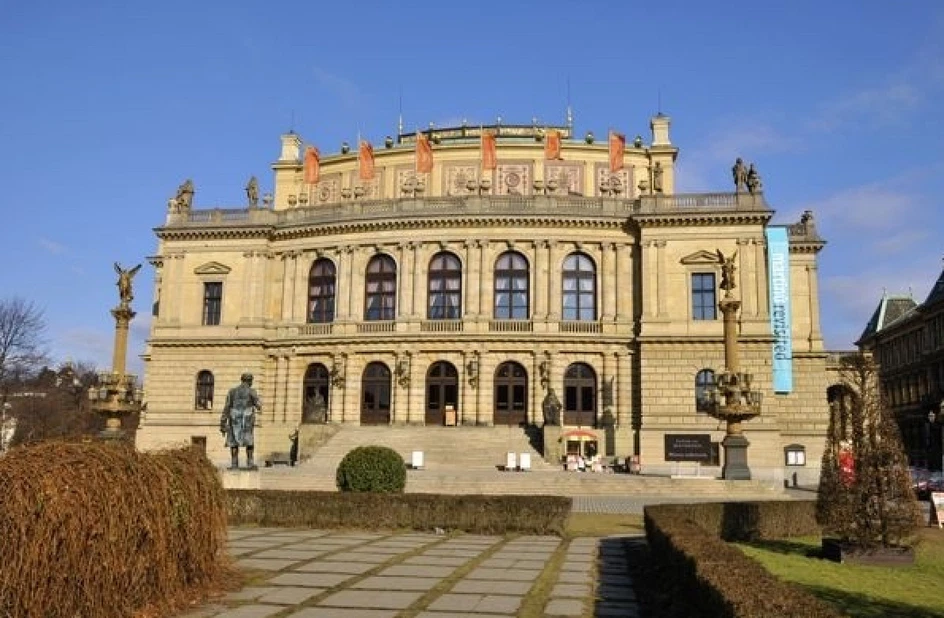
{"points": [[124, 282]]}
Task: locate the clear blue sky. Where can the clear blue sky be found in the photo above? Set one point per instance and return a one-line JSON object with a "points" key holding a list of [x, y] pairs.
{"points": [[107, 106]]}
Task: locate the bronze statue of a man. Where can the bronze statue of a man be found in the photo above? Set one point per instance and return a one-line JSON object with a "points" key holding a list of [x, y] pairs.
{"points": [[239, 419]]}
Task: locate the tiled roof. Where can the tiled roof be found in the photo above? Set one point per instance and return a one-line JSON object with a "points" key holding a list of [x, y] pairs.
{"points": [[890, 309], [937, 292]]}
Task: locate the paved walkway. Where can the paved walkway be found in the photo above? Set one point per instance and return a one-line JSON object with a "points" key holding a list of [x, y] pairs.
{"points": [[321, 574]]}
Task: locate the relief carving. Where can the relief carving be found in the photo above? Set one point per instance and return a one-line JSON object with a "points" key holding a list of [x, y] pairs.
{"points": [[569, 178], [514, 179]]}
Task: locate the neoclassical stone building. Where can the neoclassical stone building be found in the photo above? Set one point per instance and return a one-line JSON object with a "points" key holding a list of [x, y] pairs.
{"points": [[485, 272]]}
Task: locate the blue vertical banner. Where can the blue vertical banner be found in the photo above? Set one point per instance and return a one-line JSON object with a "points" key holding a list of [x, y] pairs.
{"points": [[781, 323]]}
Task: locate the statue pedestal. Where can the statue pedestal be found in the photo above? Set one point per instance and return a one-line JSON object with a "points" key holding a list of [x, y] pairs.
{"points": [[735, 459], [553, 449], [243, 478]]}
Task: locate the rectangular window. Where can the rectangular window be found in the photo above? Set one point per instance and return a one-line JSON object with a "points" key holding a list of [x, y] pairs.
{"points": [[212, 303], [703, 296]]}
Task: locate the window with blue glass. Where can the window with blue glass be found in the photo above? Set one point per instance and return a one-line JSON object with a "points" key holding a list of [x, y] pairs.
{"points": [[511, 287], [580, 288], [704, 302]]}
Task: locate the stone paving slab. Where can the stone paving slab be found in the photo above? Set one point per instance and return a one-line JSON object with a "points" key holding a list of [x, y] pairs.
{"points": [[264, 565], [251, 611], [371, 599], [575, 577], [351, 568], [311, 580], [477, 603], [564, 607], [337, 612], [397, 583], [288, 554], [352, 557], [424, 560], [570, 591], [290, 595], [417, 571], [484, 586], [517, 575], [458, 615], [250, 593]]}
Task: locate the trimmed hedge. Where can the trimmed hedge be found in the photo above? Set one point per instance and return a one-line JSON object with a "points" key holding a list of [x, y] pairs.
{"points": [[99, 529], [376, 469], [330, 510], [687, 541]]}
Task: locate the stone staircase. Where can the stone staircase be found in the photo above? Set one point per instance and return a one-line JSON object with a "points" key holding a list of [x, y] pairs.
{"points": [[466, 460]]}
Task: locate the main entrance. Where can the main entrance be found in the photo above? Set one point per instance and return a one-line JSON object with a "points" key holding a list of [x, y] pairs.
{"points": [[375, 395], [511, 395], [442, 390]]}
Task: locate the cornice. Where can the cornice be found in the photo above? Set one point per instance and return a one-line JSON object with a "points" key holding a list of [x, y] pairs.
{"points": [[701, 219]]}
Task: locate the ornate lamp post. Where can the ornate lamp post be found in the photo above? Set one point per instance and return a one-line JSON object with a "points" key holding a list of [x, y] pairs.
{"points": [[731, 398], [116, 395]]}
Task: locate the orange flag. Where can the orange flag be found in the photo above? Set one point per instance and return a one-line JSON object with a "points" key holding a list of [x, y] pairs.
{"points": [[365, 158], [424, 154], [617, 147], [312, 165], [552, 145], [489, 155]]}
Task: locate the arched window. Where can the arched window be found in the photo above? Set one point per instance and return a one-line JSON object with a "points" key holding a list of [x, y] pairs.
{"points": [[316, 394], [580, 395], [580, 288], [380, 302], [704, 380], [511, 395], [442, 389], [511, 287], [321, 286], [204, 394], [375, 395], [445, 287]]}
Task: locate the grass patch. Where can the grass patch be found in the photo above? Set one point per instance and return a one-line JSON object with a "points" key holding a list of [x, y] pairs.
{"points": [[861, 591], [603, 524]]}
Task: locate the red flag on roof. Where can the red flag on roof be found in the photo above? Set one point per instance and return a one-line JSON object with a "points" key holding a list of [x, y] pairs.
{"points": [[552, 145], [424, 154], [489, 154], [312, 165], [365, 158], [617, 148]]}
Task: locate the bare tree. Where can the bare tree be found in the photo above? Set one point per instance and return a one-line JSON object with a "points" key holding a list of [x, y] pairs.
{"points": [[22, 344], [865, 496]]}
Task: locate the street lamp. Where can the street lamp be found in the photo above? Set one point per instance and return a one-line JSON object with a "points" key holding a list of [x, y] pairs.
{"points": [[934, 417]]}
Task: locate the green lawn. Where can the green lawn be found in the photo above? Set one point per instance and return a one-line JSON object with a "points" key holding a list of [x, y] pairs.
{"points": [[862, 591]]}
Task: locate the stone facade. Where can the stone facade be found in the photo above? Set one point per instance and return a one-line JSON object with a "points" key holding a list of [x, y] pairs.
{"points": [[406, 292]]}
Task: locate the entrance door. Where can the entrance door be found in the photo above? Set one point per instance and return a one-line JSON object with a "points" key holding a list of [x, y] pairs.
{"points": [[580, 395], [442, 389], [511, 395], [316, 391], [375, 395]]}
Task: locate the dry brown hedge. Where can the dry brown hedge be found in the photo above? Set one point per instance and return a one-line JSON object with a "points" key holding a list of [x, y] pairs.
{"points": [[98, 529]]}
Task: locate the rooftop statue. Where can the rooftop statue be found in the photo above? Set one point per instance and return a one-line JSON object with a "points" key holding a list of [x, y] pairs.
{"points": [[252, 192], [739, 172], [124, 282], [184, 195], [753, 181]]}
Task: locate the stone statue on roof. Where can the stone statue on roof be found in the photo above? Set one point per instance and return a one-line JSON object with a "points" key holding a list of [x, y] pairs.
{"points": [[753, 181], [739, 172], [252, 192], [184, 195]]}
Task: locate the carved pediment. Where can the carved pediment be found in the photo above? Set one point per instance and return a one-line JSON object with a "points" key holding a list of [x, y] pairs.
{"points": [[212, 268], [700, 257]]}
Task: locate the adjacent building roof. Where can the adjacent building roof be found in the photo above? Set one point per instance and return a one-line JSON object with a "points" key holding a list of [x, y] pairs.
{"points": [[937, 292], [890, 309]]}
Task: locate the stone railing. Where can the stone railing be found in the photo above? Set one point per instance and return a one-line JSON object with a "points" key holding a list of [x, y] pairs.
{"points": [[489, 205]]}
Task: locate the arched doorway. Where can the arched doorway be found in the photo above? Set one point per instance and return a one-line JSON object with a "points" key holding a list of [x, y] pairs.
{"points": [[511, 395], [580, 395], [442, 389], [375, 395], [316, 390]]}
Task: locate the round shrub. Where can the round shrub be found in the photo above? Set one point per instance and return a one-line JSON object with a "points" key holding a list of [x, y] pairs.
{"points": [[377, 469]]}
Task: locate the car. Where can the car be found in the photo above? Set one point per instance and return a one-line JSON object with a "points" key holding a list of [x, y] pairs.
{"points": [[919, 481], [935, 484]]}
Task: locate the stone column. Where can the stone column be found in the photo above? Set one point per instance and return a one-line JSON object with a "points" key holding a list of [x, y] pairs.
{"points": [[418, 310], [554, 282], [482, 247], [539, 279], [624, 411], [286, 284], [661, 277], [176, 309], [276, 394], [816, 336], [404, 295], [763, 307], [624, 284], [287, 361], [470, 301], [650, 287], [746, 276], [606, 393], [608, 289], [352, 293]]}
